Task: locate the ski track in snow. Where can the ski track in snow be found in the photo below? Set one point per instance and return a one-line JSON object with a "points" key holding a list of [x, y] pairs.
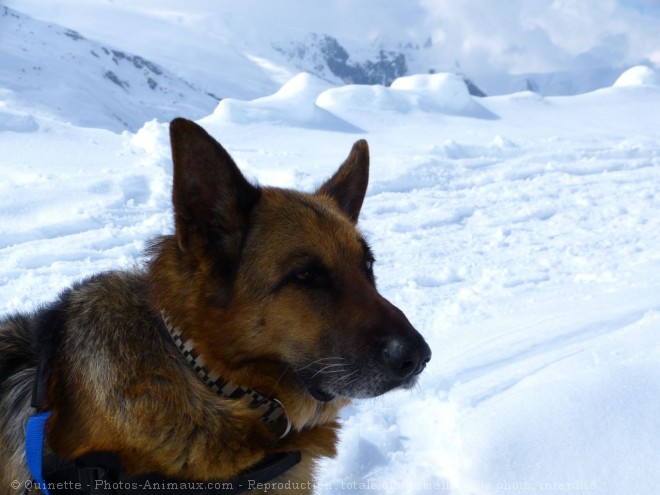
{"points": [[521, 240]]}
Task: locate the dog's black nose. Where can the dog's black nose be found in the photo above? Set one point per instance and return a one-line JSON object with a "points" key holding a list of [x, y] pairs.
{"points": [[406, 358]]}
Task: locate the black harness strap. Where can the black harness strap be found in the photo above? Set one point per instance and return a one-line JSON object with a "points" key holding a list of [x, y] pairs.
{"points": [[101, 473]]}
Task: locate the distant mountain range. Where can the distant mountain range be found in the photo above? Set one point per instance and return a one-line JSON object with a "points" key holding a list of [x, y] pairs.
{"points": [[325, 57], [56, 70]]}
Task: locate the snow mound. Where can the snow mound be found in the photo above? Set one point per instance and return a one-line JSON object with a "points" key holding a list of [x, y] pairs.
{"points": [[638, 76], [294, 104], [356, 96], [443, 93], [15, 121]]}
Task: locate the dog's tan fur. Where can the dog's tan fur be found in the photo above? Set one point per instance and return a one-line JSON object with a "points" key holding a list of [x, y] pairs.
{"points": [[275, 288]]}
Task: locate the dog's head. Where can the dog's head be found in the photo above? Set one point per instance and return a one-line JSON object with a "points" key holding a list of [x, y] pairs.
{"points": [[281, 280]]}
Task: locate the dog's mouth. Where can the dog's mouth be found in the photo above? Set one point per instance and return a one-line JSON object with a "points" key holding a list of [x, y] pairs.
{"points": [[316, 387], [371, 386], [321, 395]]}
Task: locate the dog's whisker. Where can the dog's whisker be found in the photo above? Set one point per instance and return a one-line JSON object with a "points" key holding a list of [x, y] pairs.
{"points": [[326, 370], [319, 361], [343, 378], [345, 385], [279, 380]]}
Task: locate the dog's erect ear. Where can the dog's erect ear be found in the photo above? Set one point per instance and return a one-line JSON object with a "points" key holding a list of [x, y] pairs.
{"points": [[349, 184], [211, 197]]}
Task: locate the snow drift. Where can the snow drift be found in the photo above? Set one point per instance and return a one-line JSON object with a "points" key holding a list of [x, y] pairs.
{"points": [[638, 76], [293, 104], [444, 93]]}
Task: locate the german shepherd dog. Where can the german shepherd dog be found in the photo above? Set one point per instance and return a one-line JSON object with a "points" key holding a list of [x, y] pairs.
{"points": [[242, 338]]}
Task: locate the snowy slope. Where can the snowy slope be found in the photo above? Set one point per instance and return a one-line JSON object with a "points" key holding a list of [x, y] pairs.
{"points": [[55, 69], [519, 233], [248, 49]]}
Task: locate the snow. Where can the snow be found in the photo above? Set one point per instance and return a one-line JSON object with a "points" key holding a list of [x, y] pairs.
{"points": [[13, 120], [448, 89], [519, 233], [293, 104], [94, 85], [444, 92], [639, 75]]}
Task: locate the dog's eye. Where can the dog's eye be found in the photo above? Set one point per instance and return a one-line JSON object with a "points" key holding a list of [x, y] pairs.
{"points": [[305, 276], [308, 274], [369, 267], [311, 276]]}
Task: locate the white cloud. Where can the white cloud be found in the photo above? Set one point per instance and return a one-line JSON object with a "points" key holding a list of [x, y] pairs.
{"points": [[520, 36]]}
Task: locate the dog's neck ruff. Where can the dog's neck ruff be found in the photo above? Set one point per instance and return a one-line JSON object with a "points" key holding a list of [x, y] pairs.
{"points": [[271, 410]]}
